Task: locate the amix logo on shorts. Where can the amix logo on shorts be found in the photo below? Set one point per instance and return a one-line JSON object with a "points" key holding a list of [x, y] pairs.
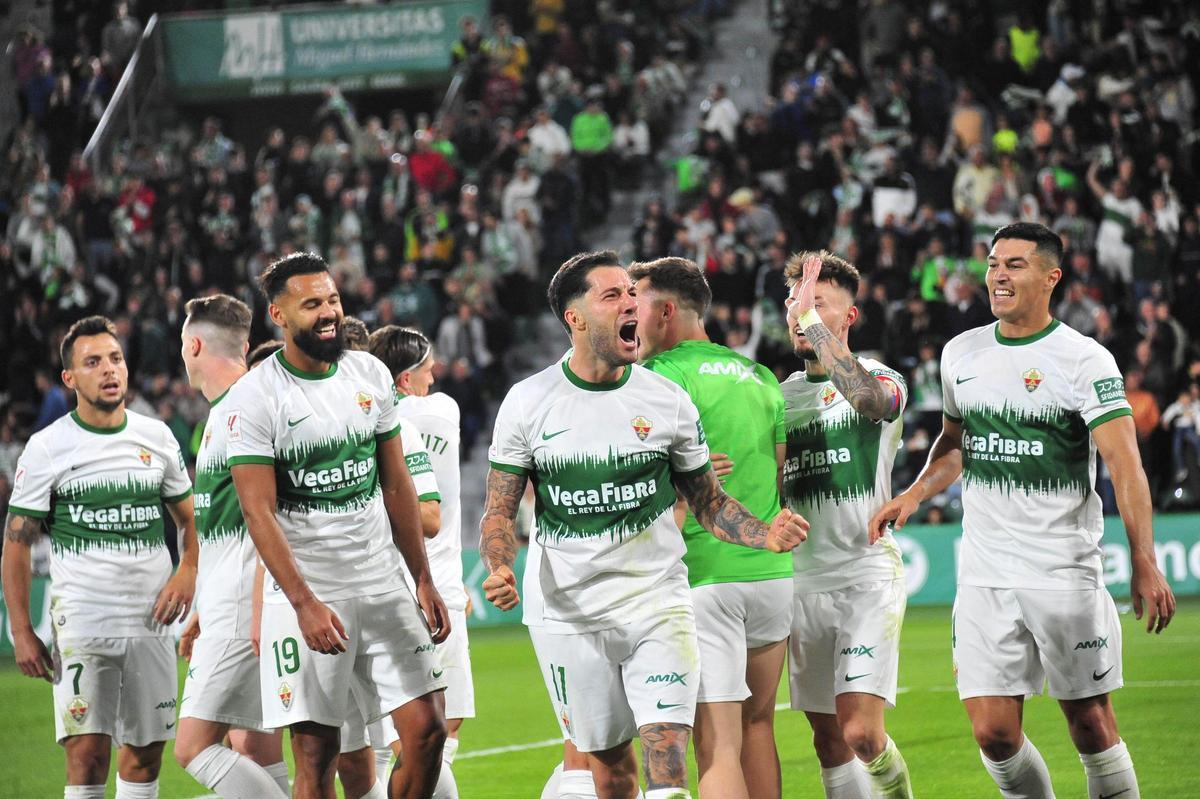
{"points": [[667, 679], [1095, 643], [855, 651]]}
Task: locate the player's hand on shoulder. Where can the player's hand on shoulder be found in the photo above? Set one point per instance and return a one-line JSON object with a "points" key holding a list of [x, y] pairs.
{"points": [[895, 513], [187, 639], [1151, 595], [787, 531], [175, 599], [500, 588], [437, 617], [323, 631], [32, 656]]}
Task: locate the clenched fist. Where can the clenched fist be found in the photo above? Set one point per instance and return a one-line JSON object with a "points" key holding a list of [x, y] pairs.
{"points": [[787, 531]]}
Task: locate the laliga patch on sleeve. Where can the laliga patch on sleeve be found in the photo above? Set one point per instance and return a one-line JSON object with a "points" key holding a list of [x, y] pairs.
{"points": [[19, 480], [1110, 389], [233, 426]]}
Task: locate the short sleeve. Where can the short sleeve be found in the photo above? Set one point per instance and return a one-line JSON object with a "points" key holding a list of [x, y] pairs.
{"points": [[416, 457], [249, 428], [889, 375], [510, 450], [1099, 387], [689, 449], [33, 482], [176, 484], [388, 397], [949, 404]]}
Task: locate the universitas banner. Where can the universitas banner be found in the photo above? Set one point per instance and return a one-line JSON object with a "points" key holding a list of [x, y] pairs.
{"points": [[929, 559], [304, 50]]}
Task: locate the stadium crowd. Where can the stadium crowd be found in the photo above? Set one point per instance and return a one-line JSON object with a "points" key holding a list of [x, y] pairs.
{"points": [[904, 142], [894, 143]]}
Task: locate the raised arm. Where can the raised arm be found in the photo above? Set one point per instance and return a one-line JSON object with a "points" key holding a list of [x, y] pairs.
{"points": [[728, 519], [874, 398], [941, 469], [1093, 181], [1116, 440], [497, 537], [16, 570], [405, 516], [255, 483]]}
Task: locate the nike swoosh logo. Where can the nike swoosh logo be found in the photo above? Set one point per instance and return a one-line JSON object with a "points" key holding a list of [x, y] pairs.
{"points": [[857, 677], [437, 674], [1111, 795], [297, 421], [1101, 676], [958, 381], [546, 437], [169, 726], [661, 706]]}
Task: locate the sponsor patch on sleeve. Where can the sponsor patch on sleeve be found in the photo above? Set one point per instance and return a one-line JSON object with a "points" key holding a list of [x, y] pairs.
{"points": [[1110, 389], [233, 426]]}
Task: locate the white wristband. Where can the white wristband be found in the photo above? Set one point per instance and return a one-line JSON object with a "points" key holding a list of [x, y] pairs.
{"points": [[809, 318]]}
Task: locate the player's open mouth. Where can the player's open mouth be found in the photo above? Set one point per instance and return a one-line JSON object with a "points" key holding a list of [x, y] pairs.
{"points": [[111, 385], [628, 332], [1003, 294], [327, 331]]}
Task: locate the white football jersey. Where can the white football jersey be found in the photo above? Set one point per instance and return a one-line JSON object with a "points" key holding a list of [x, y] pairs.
{"points": [[319, 431], [437, 417], [1031, 518], [837, 474], [101, 492], [602, 457]]}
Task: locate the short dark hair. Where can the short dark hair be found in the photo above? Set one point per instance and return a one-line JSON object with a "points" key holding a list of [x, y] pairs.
{"points": [[570, 281], [262, 352], [400, 348], [677, 276], [834, 269], [356, 333], [1046, 242], [220, 310], [87, 326], [274, 278]]}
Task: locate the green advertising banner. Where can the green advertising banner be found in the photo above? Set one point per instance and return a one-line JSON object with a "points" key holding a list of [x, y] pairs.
{"points": [[929, 559], [304, 50]]}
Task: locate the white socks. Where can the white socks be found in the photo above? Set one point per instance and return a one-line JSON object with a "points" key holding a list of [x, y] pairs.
{"points": [[446, 787], [378, 790], [1110, 773], [888, 774], [847, 781], [383, 764], [668, 793], [279, 773], [1024, 775], [229, 775], [576, 784], [136, 790], [83, 792], [550, 789]]}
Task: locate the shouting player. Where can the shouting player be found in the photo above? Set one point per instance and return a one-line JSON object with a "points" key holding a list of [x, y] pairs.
{"points": [[1027, 402], [742, 596], [843, 429], [98, 478], [608, 443], [319, 469]]}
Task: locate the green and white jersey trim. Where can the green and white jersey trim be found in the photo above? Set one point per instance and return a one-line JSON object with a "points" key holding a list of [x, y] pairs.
{"points": [[602, 457], [320, 432], [1031, 518], [101, 492], [837, 474]]}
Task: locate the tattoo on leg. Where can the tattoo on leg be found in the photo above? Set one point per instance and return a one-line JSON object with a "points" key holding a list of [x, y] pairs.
{"points": [[497, 541], [664, 755]]}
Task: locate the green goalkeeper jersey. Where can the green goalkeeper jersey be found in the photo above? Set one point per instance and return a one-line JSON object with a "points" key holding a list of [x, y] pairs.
{"points": [[741, 408]]}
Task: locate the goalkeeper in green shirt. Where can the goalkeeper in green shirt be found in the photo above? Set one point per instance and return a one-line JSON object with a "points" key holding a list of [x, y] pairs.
{"points": [[743, 597]]}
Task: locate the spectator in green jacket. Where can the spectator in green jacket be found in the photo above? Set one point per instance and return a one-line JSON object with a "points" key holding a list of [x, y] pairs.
{"points": [[591, 138]]}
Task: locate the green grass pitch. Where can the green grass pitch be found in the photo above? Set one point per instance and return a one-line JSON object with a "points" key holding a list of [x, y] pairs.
{"points": [[1157, 710]]}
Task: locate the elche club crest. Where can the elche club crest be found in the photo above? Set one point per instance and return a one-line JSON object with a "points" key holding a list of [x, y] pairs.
{"points": [[78, 708], [144, 456], [207, 436], [641, 426], [1033, 378], [828, 394], [285, 695], [365, 401]]}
